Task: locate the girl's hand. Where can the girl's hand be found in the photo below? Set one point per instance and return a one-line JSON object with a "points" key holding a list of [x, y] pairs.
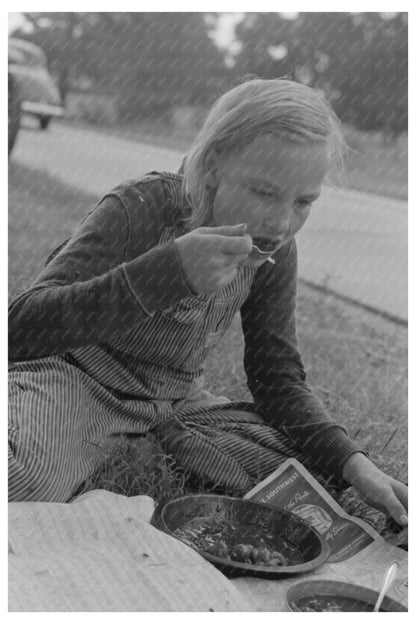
{"points": [[210, 256], [376, 488]]}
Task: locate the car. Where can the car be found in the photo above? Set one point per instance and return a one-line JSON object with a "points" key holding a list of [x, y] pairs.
{"points": [[14, 111], [32, 89]]}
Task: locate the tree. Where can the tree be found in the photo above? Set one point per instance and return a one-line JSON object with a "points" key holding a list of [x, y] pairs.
{"points": [[359, 60]]}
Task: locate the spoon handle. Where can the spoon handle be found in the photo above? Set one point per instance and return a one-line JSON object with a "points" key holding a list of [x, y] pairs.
{"points": [[388, 579], [263, 253]]}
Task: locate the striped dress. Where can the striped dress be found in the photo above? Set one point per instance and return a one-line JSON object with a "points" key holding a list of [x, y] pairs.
{"points": [[109, 340]]}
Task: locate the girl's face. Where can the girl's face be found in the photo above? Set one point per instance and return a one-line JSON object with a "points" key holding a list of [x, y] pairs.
{"points": [[269, 184]]}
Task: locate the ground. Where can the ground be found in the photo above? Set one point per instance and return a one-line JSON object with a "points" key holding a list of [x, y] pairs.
{"points": [[357, 361]]}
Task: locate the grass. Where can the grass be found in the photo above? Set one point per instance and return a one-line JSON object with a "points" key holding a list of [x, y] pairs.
{"points": [[357, 360]]}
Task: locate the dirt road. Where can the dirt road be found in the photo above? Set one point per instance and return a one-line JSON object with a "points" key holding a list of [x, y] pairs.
{"points": [[353, 243]]}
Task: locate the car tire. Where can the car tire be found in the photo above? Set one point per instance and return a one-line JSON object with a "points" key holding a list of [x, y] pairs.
{"points": [[14, 113], [44, 121]]}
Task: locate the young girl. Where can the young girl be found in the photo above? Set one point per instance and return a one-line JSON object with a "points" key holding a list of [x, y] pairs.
{"points": [[112, 337]]}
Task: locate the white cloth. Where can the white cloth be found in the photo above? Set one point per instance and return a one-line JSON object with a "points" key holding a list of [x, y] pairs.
{"points": [[100, 553]]}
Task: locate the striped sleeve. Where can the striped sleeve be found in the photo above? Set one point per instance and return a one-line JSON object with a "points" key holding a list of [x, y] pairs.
{"points": [[275, 370], [88, 293]]}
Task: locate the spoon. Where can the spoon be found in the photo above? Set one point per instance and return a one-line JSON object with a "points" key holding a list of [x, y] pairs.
{"points": [[388, 579], [263, 253]]}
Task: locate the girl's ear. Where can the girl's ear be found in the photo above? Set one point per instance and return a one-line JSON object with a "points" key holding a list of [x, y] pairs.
{"points": [[210, 168]]}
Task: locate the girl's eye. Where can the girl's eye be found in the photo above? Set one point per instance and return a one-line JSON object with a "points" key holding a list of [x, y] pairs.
{"points": [[303, 203], [261, 192]]}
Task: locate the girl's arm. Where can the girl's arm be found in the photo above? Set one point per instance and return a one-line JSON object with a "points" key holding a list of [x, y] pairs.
{"points": [[277, 380], [93, 290], [275, 371]]}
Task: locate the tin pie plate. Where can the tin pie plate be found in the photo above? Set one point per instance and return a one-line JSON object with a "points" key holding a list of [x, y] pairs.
{"points": [[242, 537], [328, 595]]}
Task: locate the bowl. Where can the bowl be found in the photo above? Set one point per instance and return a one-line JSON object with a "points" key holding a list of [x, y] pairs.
{"points": [[326, 595], [218, 527]]}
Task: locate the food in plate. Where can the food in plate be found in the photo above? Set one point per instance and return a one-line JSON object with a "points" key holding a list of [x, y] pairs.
{"points": [[232, 542], [331, 603]]}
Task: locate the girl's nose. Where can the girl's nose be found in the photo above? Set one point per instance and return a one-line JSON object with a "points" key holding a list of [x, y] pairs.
{"points": [[278, 224]]}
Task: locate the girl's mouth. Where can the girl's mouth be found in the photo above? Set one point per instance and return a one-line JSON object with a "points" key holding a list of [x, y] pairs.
{"points": [[265, 245], [263, 248]]}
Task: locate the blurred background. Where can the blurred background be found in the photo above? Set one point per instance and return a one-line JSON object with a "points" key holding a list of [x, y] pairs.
{"points": [[124, 68]]}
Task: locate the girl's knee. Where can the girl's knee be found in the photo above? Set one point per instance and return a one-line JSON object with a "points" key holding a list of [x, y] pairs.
{"points": [[37, 481]]}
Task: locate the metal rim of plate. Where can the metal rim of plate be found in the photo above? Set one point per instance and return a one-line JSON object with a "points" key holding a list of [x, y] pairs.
{"points": [[235, 568], [337, 589]]}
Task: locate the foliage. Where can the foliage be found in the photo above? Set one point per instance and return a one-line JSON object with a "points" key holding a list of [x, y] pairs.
{"points": [[359, 60], [156, 60]]}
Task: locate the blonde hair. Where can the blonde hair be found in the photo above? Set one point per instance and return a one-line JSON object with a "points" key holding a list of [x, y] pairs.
{"points": [[286, 108]]}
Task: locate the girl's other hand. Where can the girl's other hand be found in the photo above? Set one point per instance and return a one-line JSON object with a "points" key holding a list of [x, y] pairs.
{"points": [[210, 256], [376, 488]]}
